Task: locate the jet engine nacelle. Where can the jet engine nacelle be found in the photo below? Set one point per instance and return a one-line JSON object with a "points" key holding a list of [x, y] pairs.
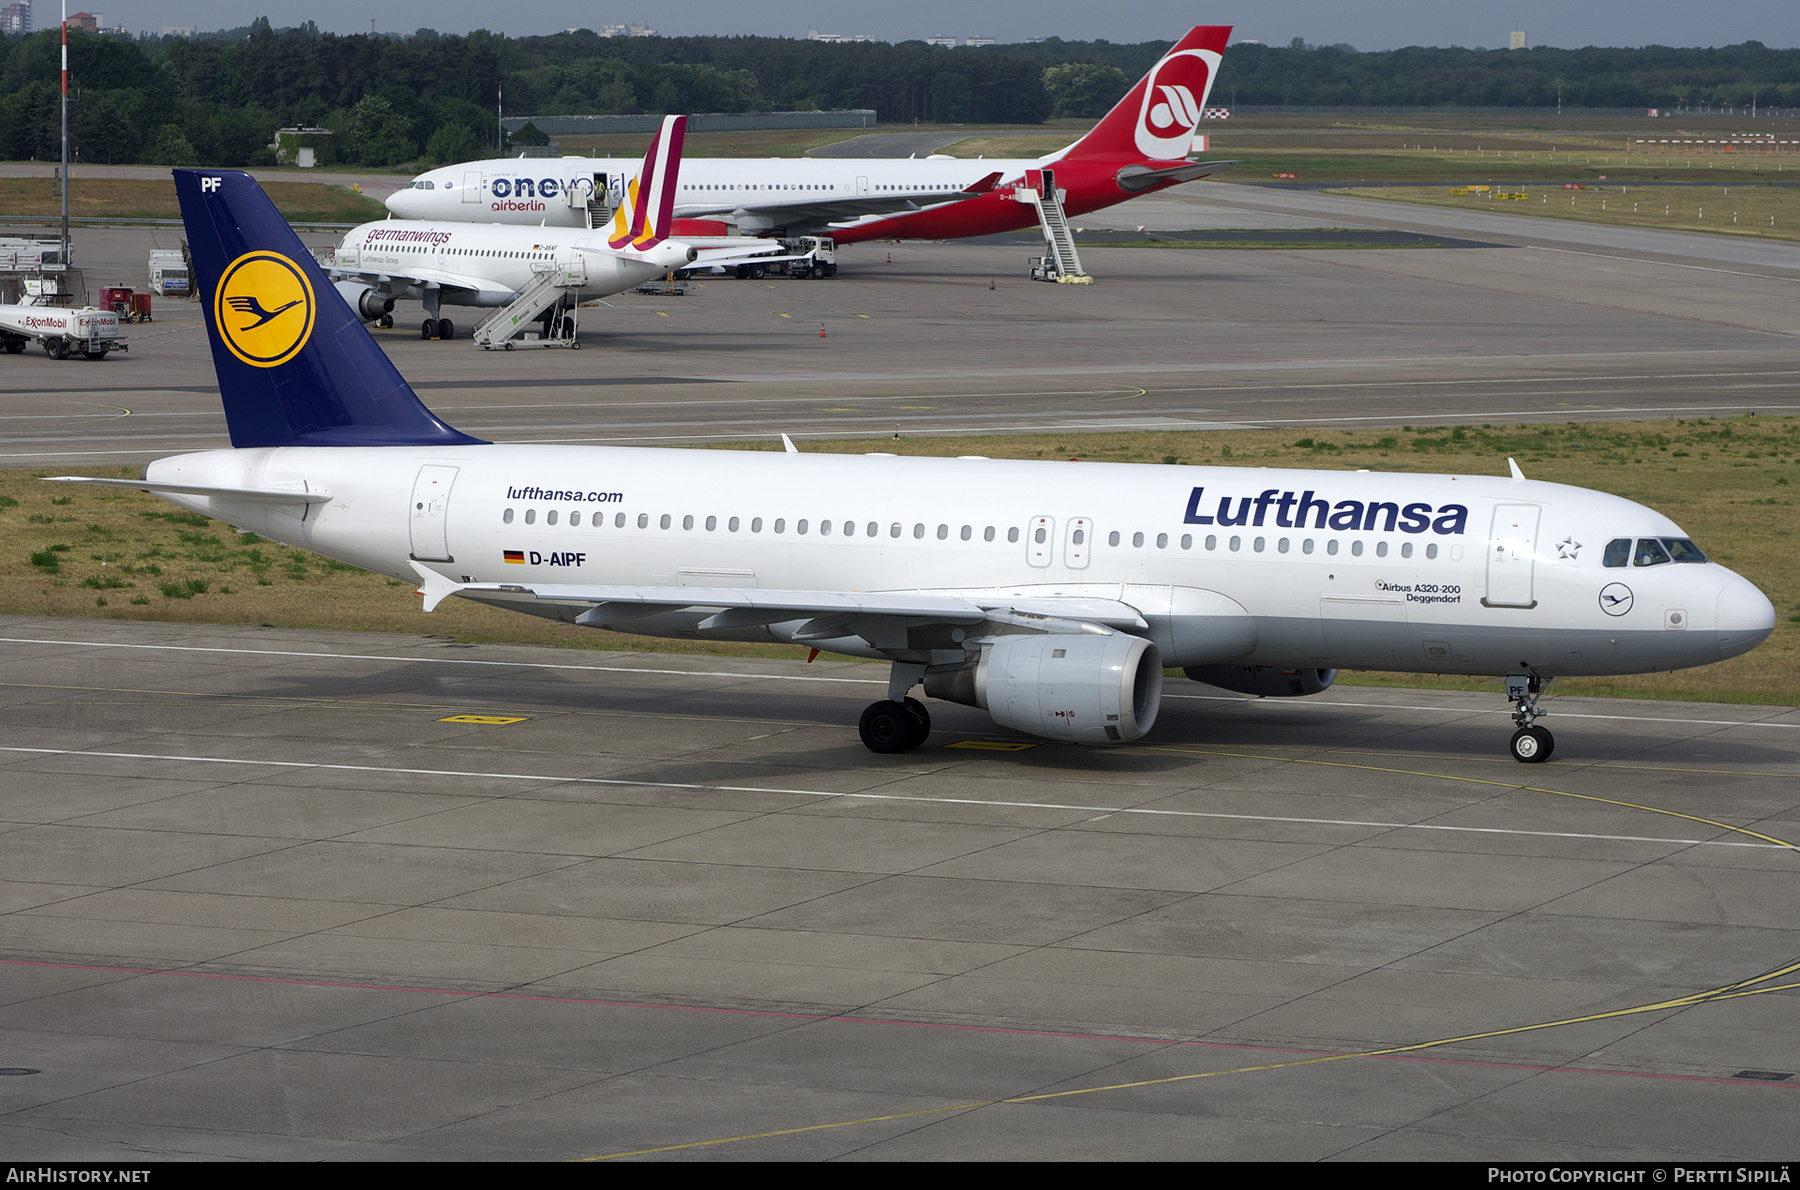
{"points": [[1085, 689], [369, 304], [1264, 681]]}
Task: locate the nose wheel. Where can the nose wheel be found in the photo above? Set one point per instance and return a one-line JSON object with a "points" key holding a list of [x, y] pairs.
{"points": [[1530, 744]]}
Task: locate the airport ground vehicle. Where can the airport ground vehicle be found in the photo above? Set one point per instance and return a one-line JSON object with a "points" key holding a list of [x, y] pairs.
{"points": [[1051, 595], [168, 273], [88, 332], [127, 303]]}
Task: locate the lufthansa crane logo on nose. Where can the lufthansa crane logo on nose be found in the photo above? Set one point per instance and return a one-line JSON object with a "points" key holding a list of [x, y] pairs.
{"points": [[264, 309], [1615, 599]]}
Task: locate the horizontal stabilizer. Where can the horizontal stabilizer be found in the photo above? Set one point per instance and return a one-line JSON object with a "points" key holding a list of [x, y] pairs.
{"points": [[1142, 177], [255, 495]]}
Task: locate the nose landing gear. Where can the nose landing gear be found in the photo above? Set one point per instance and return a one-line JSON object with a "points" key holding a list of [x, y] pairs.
{"points": [[1530, 744]]}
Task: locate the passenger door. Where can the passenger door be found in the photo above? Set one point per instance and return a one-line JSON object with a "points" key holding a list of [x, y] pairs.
{"points": [[1512, 556], [430, 514]]}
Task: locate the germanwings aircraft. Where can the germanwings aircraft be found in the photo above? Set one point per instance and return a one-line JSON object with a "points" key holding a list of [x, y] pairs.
{"points": [[1140, 147], [463, 265], [1049, 594]]}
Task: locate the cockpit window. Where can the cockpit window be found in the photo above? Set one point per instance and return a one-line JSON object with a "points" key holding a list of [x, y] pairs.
{"points": [[1683, 550], [1618, 552], [1650, 552]]}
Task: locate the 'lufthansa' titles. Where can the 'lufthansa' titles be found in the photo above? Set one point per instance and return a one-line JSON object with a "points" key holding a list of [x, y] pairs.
{"points": [[1292, 511]]}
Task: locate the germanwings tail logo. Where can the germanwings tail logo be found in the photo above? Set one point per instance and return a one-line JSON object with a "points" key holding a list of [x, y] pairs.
{"points": [[1156, 119], [651, 195]]}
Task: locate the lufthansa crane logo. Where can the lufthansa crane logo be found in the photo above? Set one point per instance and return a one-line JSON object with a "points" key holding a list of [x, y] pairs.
{"points": [[1615, 599], [264, 309]]}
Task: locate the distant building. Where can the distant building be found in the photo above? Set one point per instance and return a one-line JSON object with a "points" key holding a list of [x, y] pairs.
{"points": [[940, 41], [839, 38], [1518, 39], [978, 41], [15, 19], [1036, 40], [626, 31], [177, 30], [90, 21]]}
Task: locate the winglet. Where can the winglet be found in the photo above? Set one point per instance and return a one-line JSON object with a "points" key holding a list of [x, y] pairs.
{"points": [[434, 586], [1518, 476], [787, 444]]}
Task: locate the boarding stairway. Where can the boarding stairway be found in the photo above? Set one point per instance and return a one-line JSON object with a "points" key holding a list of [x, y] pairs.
{"points": [[557, 286], [1063, 263]]}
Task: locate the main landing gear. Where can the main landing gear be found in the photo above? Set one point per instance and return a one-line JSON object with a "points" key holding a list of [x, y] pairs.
{"points": [[437, 328], [897, 723], [1530, 744]]}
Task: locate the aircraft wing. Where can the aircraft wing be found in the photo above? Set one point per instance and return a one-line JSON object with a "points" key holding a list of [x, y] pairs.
{"points": [[1142, 177], [875, 616], [380, 278], [840, 208]]}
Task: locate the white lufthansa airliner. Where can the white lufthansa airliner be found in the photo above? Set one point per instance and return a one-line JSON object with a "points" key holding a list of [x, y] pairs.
{"points": [[463, 264], [1050, 594]]}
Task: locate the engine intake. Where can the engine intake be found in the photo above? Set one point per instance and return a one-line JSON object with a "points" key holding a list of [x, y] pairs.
{"points": [[1085, 689], [368, 303], [1264, 681]]}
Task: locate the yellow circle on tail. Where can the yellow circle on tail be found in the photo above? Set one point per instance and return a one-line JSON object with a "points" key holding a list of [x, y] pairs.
{"points": [[264, 309]]}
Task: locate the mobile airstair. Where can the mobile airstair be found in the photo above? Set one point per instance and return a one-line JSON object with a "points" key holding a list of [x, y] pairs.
{"points": [[550, 301], [1062, 263]]}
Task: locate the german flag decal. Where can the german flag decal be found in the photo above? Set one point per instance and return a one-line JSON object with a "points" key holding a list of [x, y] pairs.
{"points": [[516, 556]]}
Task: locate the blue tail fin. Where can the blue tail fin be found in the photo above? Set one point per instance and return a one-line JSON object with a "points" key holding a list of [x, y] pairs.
{"points": [[296, 367]]}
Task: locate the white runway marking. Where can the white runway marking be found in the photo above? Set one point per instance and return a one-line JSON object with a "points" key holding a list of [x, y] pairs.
{"points": [[618, 669], [894, 797]]}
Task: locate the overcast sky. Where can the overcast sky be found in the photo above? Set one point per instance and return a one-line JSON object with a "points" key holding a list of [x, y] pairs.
{"points": [[1365, 24]]}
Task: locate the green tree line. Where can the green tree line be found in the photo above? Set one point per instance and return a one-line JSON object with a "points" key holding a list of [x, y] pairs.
{"points": [[217, 98]]}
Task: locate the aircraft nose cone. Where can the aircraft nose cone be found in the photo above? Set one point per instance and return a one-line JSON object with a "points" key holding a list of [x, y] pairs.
{"points": [[1745, 618]]}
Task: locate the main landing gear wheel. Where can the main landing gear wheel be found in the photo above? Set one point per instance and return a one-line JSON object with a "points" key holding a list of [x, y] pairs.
{"points": [[385, 322], [446, 329], [889, 726], [428, 329], [1532, 745]]}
